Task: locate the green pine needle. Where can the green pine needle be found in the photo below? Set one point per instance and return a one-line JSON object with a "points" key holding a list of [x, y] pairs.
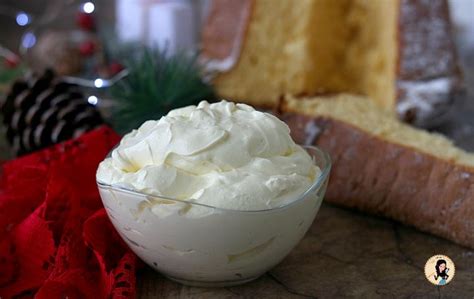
{"points": [[8, 75], [156, 84]]}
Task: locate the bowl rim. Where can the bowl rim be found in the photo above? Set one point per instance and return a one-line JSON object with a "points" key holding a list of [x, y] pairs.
{"points": [[317, 184]]}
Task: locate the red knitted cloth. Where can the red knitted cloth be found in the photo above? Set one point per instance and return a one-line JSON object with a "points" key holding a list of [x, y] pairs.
{"points": [[55, 238]]}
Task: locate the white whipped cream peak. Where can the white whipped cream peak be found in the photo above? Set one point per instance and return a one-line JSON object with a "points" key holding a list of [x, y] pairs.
{"points": [[223, 154]]}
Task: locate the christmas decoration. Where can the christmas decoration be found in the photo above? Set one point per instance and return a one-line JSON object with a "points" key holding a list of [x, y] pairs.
{"points": [[12, 62], [41, 111], [115, 68], [7, 75], [156, 84], [67, 41], [57, 241], [87, 48], [85, 21], [10, 67], [54, 49]]}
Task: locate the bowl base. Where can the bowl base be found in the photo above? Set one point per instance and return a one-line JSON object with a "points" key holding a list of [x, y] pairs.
{"points": [[211, 284]]}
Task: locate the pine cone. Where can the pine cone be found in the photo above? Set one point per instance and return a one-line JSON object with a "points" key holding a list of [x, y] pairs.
{"points": [[41, 111]]}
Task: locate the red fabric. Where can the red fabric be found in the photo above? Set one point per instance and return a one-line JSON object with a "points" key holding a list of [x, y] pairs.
{"points": [[55, 238]]}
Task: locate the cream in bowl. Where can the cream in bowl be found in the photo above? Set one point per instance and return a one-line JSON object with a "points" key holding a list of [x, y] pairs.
{"points": [[214, 194]]}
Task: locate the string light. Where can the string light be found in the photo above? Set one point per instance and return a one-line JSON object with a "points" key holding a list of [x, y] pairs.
{"points": [[28, 40], [98, 83], [93, 100], [22, 19], [88, 7]]}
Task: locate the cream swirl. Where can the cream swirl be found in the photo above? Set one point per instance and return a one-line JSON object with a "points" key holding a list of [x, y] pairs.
{"points": [[223, 154]]}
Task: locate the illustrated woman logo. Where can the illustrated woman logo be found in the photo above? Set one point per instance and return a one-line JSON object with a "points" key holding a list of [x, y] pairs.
{"points": [[442, 270], [439, 270]]}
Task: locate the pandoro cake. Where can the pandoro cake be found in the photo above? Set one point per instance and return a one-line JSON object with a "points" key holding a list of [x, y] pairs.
{"points": [[399, 53], [385, 167]]}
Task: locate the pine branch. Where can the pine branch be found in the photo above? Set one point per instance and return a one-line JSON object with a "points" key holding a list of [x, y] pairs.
{"points": [[8, 75], [156, 84]]}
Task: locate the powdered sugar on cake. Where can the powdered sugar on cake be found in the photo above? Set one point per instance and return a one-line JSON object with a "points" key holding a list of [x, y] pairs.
{"points": [[425, 36], [428, 72], [426, 99]]}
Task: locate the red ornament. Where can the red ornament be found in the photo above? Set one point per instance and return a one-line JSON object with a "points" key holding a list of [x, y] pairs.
{"points": [[115, 68], [11, 62], [85, 21], [87, 48]]}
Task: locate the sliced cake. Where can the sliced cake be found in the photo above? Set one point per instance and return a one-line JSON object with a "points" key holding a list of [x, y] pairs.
{"points": [[383, 166]]}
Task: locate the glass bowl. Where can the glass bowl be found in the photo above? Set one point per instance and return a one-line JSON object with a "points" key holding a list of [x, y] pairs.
{"points": [[201, 245]]}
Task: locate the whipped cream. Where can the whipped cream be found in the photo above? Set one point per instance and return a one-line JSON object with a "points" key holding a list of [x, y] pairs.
{"points": [[223, 154]]}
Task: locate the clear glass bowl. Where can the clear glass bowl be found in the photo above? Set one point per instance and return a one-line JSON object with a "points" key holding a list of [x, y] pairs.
{"points": [[201, 245]]}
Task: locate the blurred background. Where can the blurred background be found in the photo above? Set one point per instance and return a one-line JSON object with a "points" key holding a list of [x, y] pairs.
{"points": [[175, 24], [124, 16]]}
